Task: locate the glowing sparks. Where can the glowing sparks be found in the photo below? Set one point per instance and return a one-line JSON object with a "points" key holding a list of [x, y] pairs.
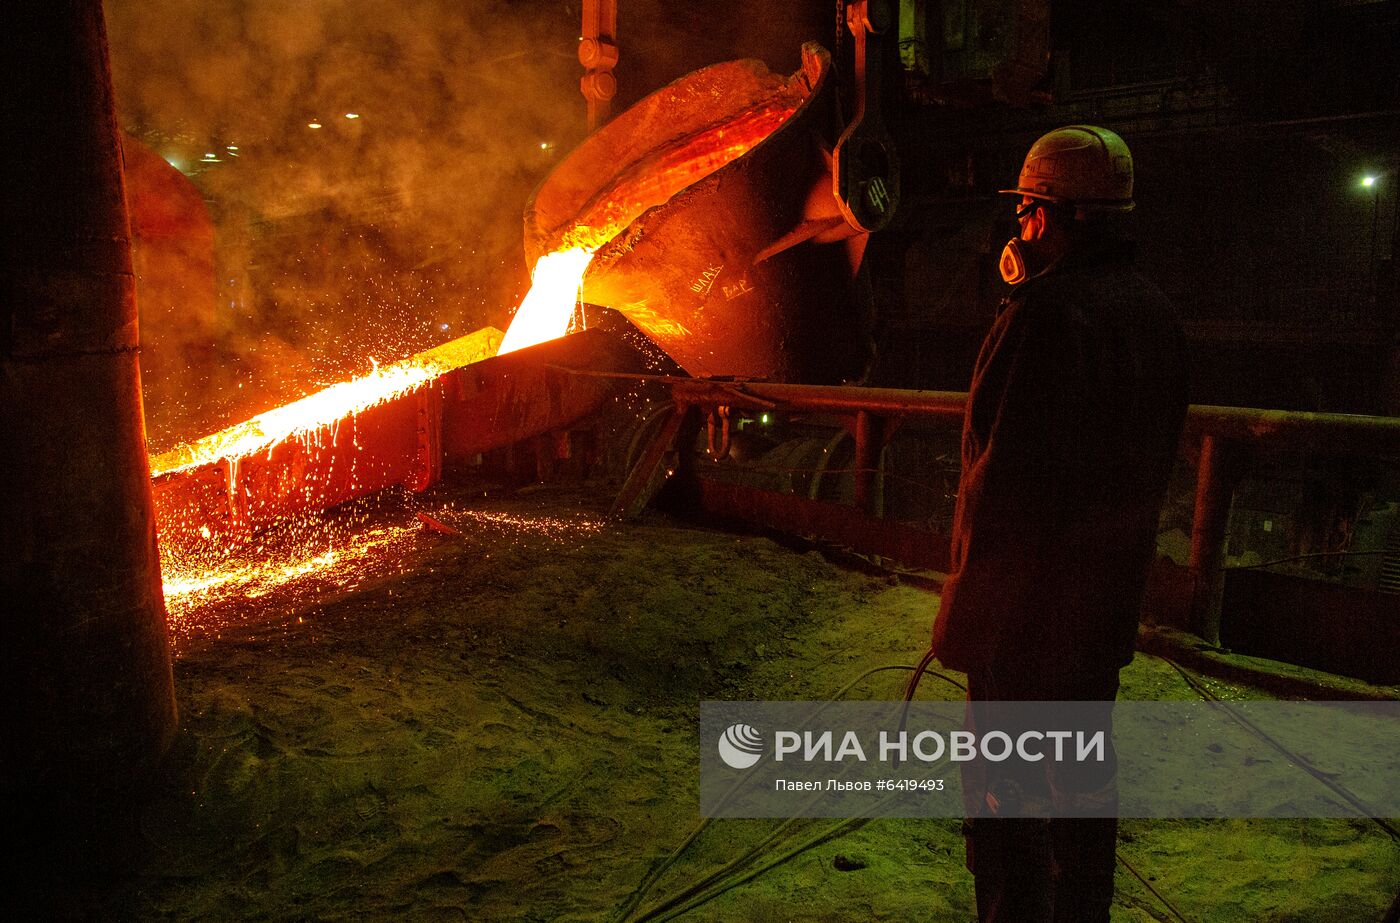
{"points": [[204, 598], [203, 565], [549, 527], [184, 585], [206, 593], [549, 305], [208, 577]]}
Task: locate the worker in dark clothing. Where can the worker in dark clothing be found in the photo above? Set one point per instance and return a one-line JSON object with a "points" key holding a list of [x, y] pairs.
{"points": [[1069, 437]]}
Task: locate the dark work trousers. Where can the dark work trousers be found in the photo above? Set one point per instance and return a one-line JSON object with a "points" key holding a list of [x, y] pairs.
{"points": [[1056, 869]]}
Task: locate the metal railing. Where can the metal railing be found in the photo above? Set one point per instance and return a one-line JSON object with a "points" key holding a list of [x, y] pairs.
{"points": [[1225, 435]]}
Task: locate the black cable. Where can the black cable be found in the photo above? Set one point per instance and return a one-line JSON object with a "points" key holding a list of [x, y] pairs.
{"points": [[1393, 914], [649, 882], [1301, 762], [913, 686], [1146, 884], [694, 895], [699, 886], [1304, 557]]}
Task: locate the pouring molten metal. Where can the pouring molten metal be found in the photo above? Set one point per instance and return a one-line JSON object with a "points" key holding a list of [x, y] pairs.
{"points": [[198, 559], [549, 305], [240, 512], [399, 423]]}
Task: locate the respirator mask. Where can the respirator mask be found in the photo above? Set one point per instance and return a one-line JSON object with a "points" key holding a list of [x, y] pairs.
{"points": [[1018, 258]]}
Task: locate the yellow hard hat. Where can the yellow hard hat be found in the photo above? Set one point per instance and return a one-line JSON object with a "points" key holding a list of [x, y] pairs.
{"points": [[1081, 165]]}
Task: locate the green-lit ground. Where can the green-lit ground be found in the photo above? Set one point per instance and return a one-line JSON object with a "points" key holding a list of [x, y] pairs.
{"points": [[502, 726]]}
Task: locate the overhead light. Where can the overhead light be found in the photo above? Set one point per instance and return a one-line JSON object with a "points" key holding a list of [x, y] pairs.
{"points": [[352, 115], [313, 124], [1368, 181], [232, 147]]}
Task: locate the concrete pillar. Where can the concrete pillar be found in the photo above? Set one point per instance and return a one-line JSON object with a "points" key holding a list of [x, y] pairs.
{"points": [[86, 700]]}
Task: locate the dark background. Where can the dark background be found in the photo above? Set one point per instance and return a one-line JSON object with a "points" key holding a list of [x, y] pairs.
{"points": [[1252, 125]]}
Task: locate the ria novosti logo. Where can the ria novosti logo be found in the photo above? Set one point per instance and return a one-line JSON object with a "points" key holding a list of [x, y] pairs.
{"points": [[740, 746]]}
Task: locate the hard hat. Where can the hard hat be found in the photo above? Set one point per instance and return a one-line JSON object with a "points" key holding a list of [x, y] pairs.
{"points": [[1079, 165]]}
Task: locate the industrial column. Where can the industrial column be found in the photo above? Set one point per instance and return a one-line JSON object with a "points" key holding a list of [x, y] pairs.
{"points": [[597, 52], [86, 701]]}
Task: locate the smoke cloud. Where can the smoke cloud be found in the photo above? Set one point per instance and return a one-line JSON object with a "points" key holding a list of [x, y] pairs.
{"points": [[393, 226]]}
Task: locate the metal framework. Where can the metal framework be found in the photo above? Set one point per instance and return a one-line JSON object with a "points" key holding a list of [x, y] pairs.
{"points": [[1225, 436]]}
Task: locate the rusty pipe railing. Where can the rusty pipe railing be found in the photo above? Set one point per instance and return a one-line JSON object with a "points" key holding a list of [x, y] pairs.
{"points": [[1330, 433], [1225, 435], [869, 432], [758, 395]]}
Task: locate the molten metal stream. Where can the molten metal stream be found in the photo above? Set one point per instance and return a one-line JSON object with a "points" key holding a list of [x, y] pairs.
{"points": [[549, 305], [300, 417]]}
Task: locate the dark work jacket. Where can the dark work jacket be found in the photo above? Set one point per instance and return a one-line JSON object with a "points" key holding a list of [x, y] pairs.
{"points": [[1069, 437]]}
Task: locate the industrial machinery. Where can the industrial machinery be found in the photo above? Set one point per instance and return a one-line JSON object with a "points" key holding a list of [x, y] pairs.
{"points": [[725, 216], [711, 213]]}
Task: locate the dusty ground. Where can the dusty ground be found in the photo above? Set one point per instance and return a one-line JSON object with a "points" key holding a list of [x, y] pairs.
{"points": [[502, 726]]}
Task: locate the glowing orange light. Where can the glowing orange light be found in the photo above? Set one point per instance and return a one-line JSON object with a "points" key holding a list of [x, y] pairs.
{"points": [[206, 594], [311, 412], [204, 597], [549, 305], [211, 577], [198, 583], [326, 407]]}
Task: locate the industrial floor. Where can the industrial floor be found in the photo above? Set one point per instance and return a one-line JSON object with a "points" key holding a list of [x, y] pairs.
{"points": [[501, 725]]}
